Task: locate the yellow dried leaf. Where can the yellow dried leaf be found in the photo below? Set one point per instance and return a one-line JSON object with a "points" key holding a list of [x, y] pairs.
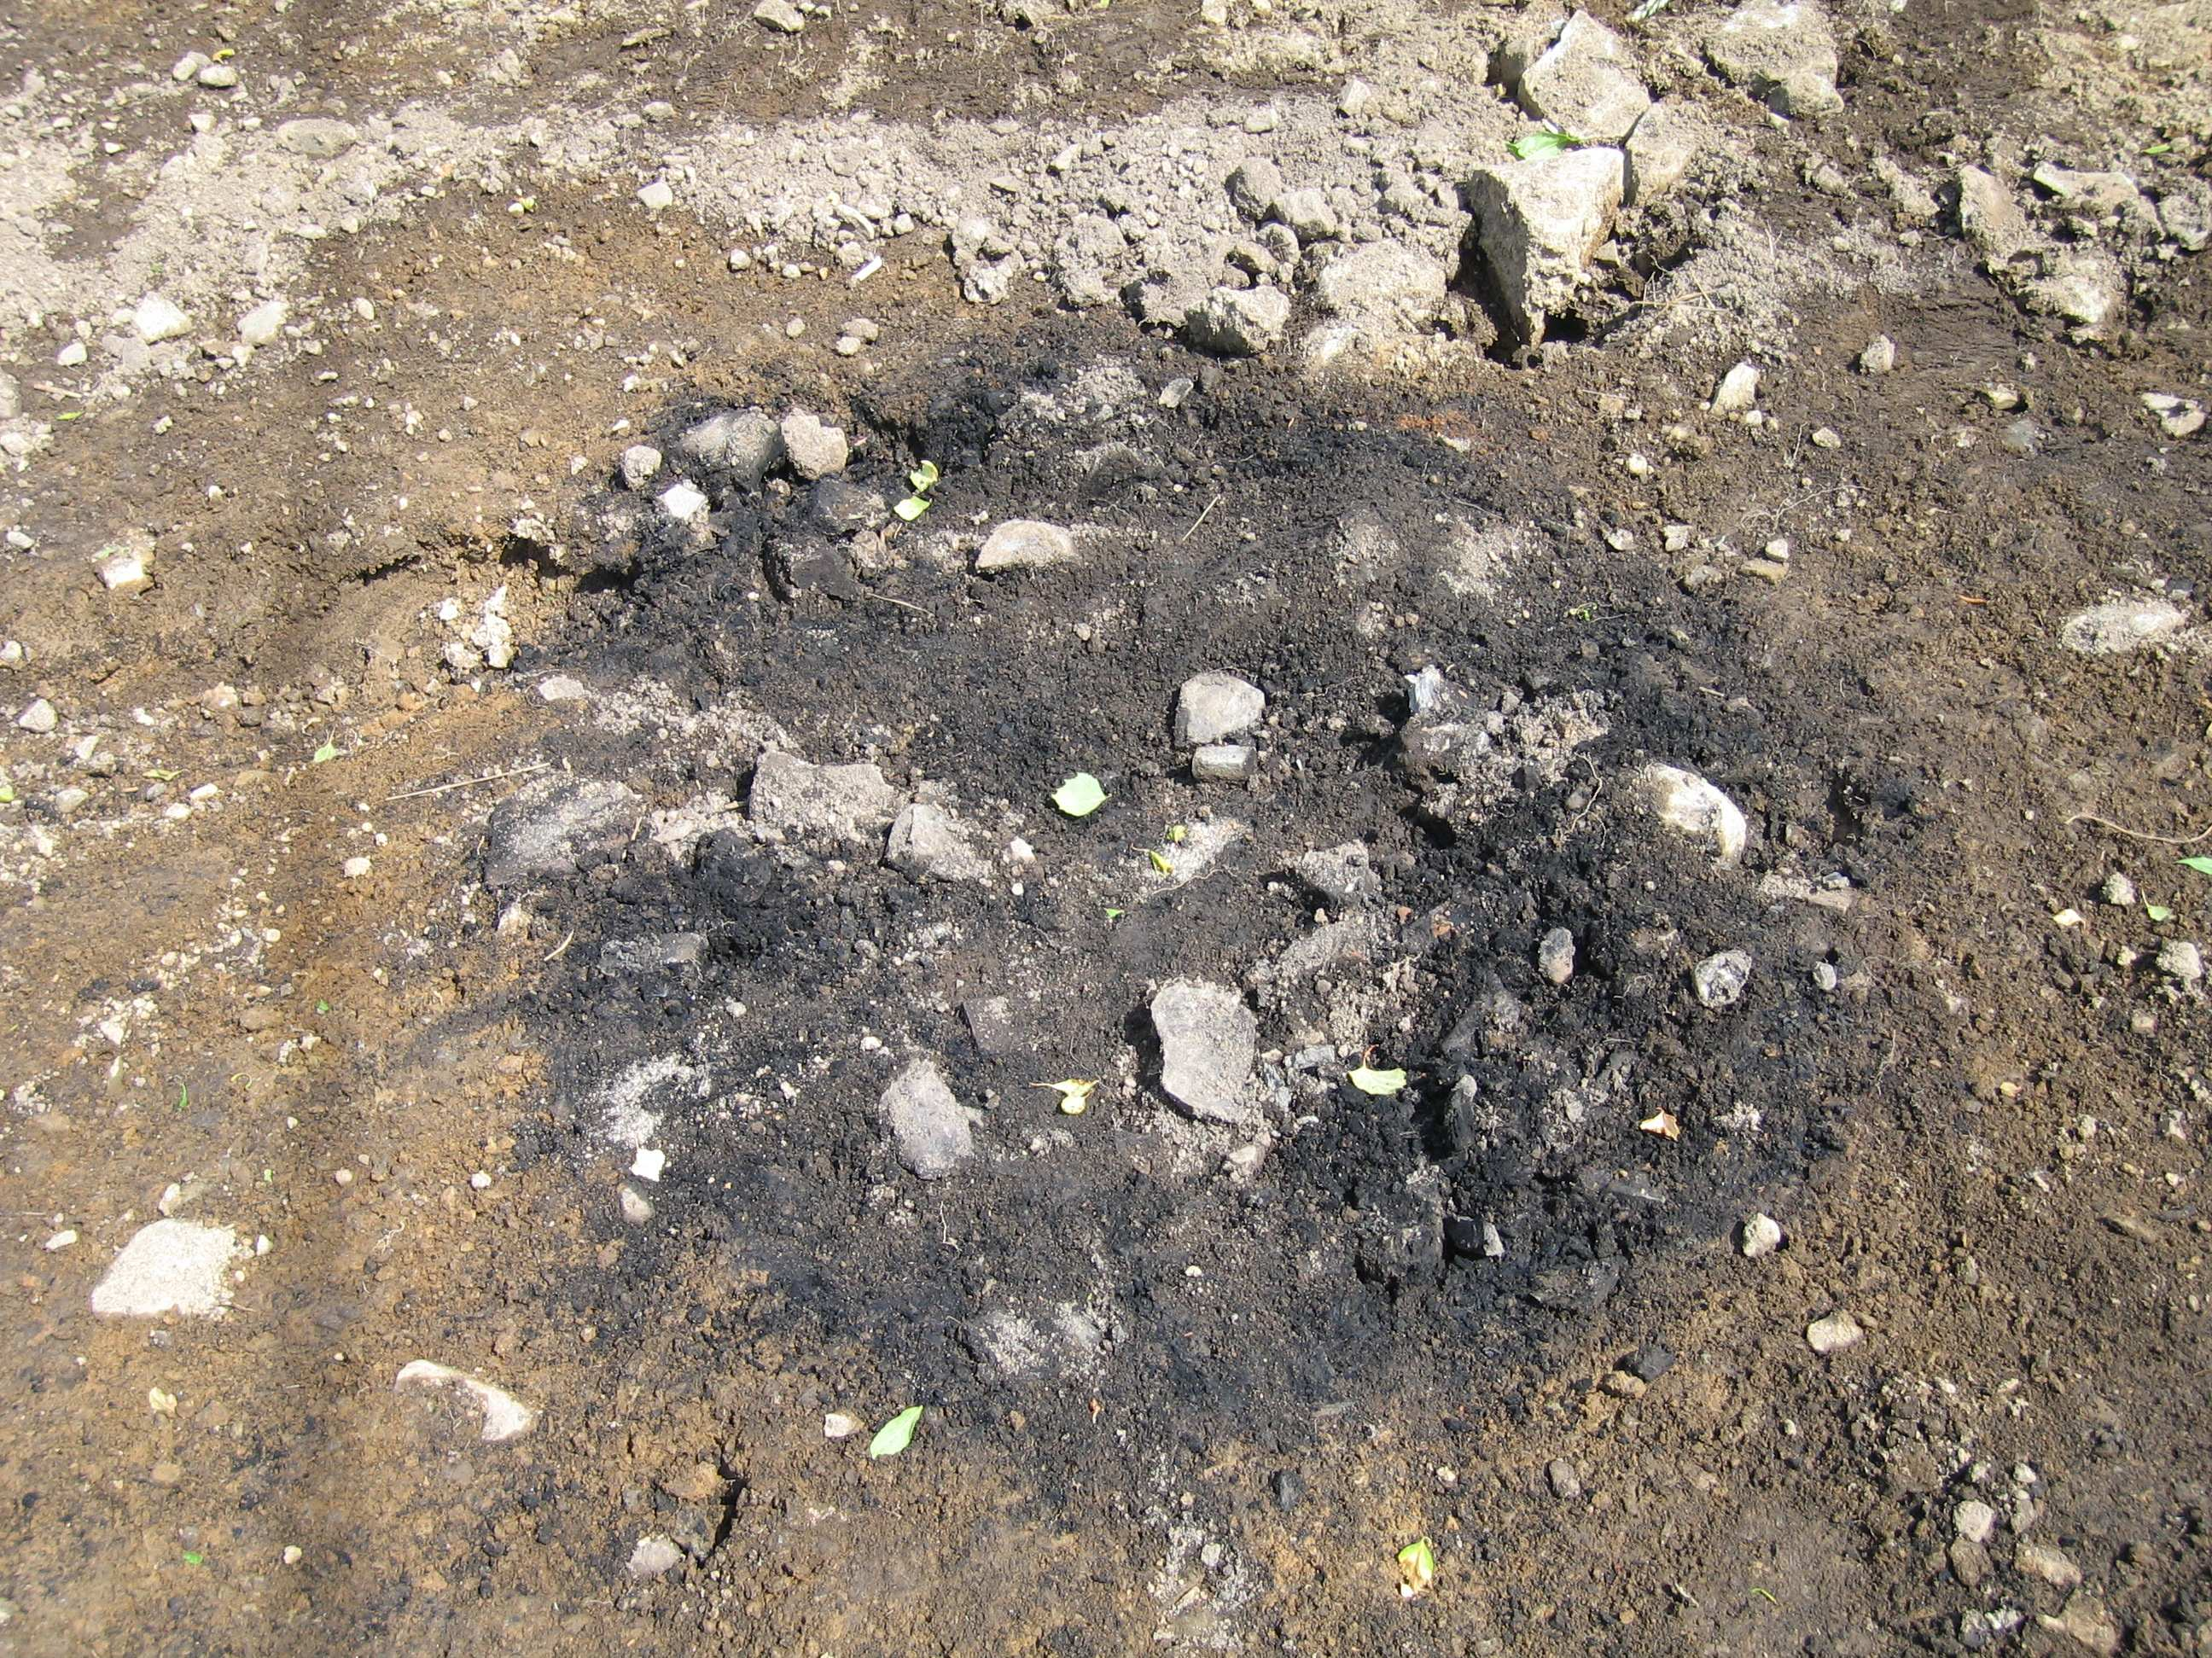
{"points": [[1663, 1124]]}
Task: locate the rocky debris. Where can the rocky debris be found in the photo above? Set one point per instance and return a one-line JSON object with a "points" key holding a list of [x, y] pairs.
{"points": [[815, 449], [683, 503], [1087, 258], [654, 952], [38, 718], [2176, 416], [1341, 875], [1386, 287], [1662, 146], [1058, 1345], [1239, 322], [1214, 707], [985, 260], [1688, 804], [1025, 543], [2049, 1565], [844, 508], [657, 196], [780, 16], [1586, 81], [655, 1555], [1974, 1521], [546, 828], [1781, 51], [639, 464], [1737, 391], [2083, 285], [1566, 1484], [928, 842], [1555, 955], [1224, 762], [1538, 222], [790, 797], [1880, 356], [158, 319], [2182, 960], [262, 324], [2118, 890], [505, 1416], [1209, 1042], [1833, 1333], [318, 137], [932, 1132], [1254, 186], [1465, 757], [637, 1207], [2095, 195], [748, 442], [1720, 978], [1762, 1235], [2087, 1620], [1989, 217], [2121, 625], [178, 1266]]}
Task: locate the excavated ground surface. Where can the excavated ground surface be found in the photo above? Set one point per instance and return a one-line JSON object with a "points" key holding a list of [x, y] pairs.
{"points": [[1188, 1386]]}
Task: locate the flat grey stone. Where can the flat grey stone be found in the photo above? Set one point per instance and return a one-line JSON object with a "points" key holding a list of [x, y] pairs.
{"points": [[1239, 322], [816, 448], [1025, 543], [1586, 81], [1342, 875], [1555, 955], [1782, 52], [745, 441], [170, 1265], [1659, 151], [928, 843], [1719, 979], [655, 951], [318, 136], [1224, 762], [930, 1128], [1215, 706], [548, 826], [1209, 1040], [844, 802]]}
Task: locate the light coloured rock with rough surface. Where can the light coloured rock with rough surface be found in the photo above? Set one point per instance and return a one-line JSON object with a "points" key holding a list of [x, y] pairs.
{"points": [[1586, 83], [1720, 978], [928, 841], [1686, 803], [843, 803], [1660, 150], [933, 1131], [1209, 1040], [1216, 706], [817, 448], [2120, 626], [1762, 1235], [1781, 51], [158, 319], [1239, 322], [1833, 1333], [1538, 222], [547, 827], [1025, 543], [505, 1416], [170, 1266]]}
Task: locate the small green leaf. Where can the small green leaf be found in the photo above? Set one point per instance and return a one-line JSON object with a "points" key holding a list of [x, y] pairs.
{"points": [[911, 508], [2202, 865], [1369, 1081], [1767, 1596], [1417, 1567], [192, 1559], [896, 1434], [1079, 796], [1160, 864], [1114, 915], [328, 751], [2159, 150], [164, 774], [322, 1006], [1074, 1094], [1178, 835], [1534, 146], [7, 794], [184, 1095], [923, 477], [74, 414]]}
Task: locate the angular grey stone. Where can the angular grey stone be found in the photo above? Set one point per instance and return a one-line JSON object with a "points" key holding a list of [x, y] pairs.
{"points": [[2099, 193], [1343, 875], [746, 442], [1555, 955], [1255, 186], [1239, 322], [845, 508], [1659, 152], [1308, 215], [1782, 52], [318, 136], [1025, 543], [844, 802], [1990, 218], [817, 449], [2180, 959], [39, 717], [933, 1131], [1585, 82], [1762, 1235], [1540, 222], [11, 397], [928, 841], [1880, 356], [1215, 706], [1224, 762], [639, 464], [992, 1022], [2121, 625], [545, 828], [780, 16], [1089, 261], [1833, 1333], [1209, 1040], [170, 1265], [656, 951], [1386, 287], [1719, 979]]}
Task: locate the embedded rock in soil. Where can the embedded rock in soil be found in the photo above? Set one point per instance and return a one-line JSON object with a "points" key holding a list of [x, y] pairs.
{"points": [[2049, 1565], [1239, 322], [1224, 762], [318, 136], [1381, 289], [1209, 1040], [844, 803], [158, 318], [505, 1416], [170, 1265], [1659, 152], [1214, 707], [746, 442], [2086, 1619], [1737, 390], [262, 324], [1538, 224], [817, 449], [1342, 875], [1720, 978], [1023, 543], [844, 508], [656, 1554], [1255, 188], [928, 841], [1088, 261], [1555, 955], [1833, 1333], [2121, 625], [1762, 1235], [1686, 802], [546, 828], [931, 1130], [1990, 218], [1585, 82], [639, 462], [1782, 52]]}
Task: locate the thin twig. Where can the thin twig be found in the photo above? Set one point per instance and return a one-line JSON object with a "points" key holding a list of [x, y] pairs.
{"points": [[469, 782], [885, 598], [562, 948], [1202, 517], [2140, 835]]}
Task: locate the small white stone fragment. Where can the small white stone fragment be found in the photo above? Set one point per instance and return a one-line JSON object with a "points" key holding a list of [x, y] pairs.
{"points": [[504, 1415], [1720, 978], [261, 325], [1024, 544], [1880, 356], [835, 1425], [1762, 1235], [652, 1556], [1833, 1333], [1214, 707], [639, 462], [656, 195], [354, 868], [1737, 390], [1686, 802], [649, 1162], [480, 1181], [39, 718], [71, 355], [684, 501], [62, 1240], [158, 319], [1975, 1521], [170, 1265], [636, 1208]]}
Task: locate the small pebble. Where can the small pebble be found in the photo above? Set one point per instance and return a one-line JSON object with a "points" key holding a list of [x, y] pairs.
{"points": [[1833, 1333], [354, 868], [480, 1180], [1762, 1235], [2119, 889]]}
